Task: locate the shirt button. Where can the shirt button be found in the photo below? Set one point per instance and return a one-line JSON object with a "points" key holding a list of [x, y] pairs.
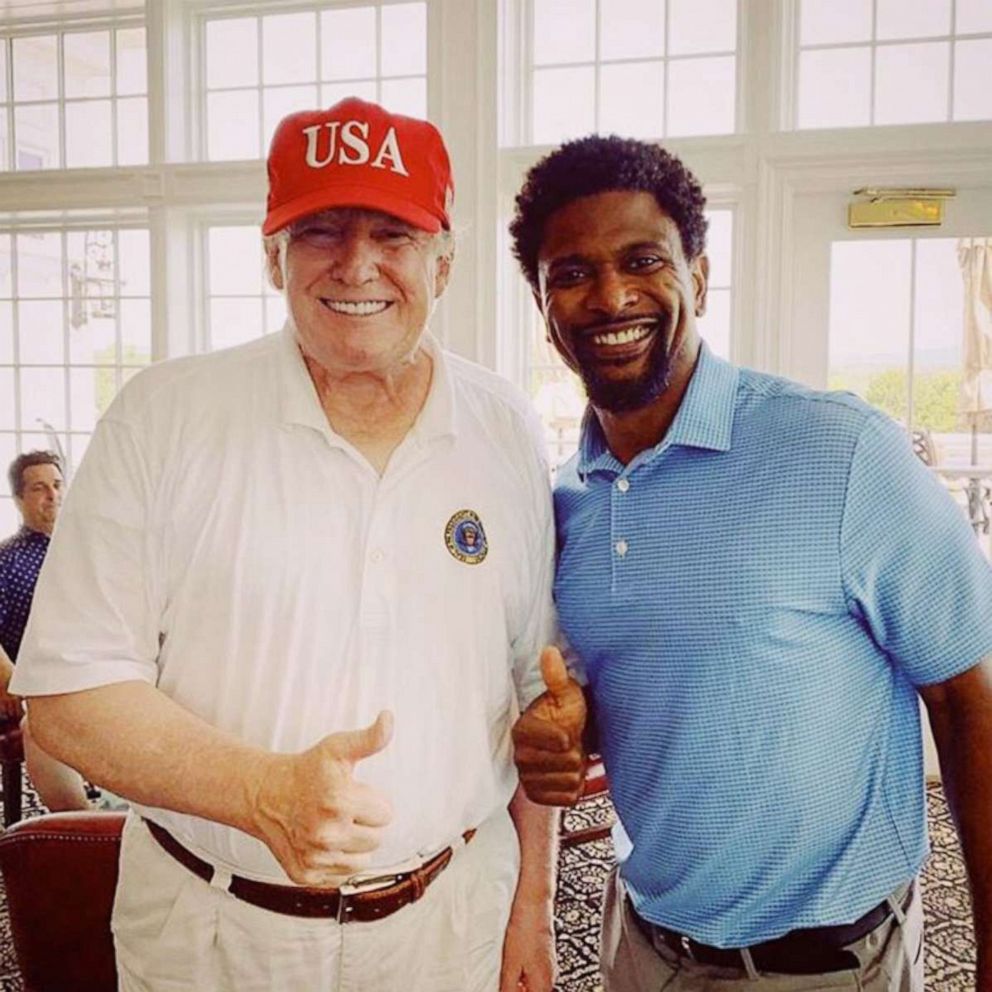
{"points": [[621, 548], [623, 485], [377, 555]]}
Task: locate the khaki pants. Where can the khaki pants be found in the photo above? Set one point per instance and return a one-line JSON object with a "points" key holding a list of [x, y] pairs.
{"points": [[891, 959], [173, 932]]}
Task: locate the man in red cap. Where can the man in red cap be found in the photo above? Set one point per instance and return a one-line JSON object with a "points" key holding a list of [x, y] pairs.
{"points": [[262, 620]]}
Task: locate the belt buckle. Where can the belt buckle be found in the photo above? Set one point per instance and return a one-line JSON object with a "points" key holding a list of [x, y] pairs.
{"points": [[355, 888]]}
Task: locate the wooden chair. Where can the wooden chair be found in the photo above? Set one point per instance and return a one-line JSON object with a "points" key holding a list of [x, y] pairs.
{"points": [[60, 872]]}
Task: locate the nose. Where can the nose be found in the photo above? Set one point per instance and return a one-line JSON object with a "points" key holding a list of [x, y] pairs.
{"points": [[356, 260], [611, 293]]}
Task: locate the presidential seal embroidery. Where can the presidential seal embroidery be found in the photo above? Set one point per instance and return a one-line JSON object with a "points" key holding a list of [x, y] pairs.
{"points": [[465, 538]]}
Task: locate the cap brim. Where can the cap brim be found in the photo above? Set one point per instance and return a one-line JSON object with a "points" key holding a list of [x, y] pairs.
{"points": [[350, 196]]}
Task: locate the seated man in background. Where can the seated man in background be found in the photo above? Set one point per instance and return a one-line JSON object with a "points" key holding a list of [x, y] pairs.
{"points": [[256, 622], [36, 484], [760, 582]]}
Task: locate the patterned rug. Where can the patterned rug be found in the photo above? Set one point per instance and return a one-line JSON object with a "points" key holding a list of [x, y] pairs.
{"points": [[949, 948]]}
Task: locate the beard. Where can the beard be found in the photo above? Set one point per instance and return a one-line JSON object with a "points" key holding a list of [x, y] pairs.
{"points": [[623, 395]]}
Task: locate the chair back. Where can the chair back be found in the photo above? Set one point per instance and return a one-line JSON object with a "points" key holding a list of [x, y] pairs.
{"points": [[60, 872]]}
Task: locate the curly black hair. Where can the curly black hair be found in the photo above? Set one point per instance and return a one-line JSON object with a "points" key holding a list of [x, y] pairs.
{"points": [[600, 164]]}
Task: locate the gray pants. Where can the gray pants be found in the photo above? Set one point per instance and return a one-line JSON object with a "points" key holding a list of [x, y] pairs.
{"points": [[891, 959]]}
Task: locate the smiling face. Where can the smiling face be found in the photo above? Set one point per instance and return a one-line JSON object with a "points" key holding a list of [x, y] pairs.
{"points": [[360, 286], [41, 497], [619, 297]]}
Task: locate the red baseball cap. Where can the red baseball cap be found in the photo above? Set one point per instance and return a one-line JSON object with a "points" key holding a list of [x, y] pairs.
{"points": [[357, 154]]}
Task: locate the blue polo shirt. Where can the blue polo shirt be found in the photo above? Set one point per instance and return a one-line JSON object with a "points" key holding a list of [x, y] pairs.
{"points": [[21, 557], [754, 602]]}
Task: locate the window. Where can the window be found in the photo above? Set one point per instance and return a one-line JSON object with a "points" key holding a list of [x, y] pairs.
{"points": [[74, 99], [260, 68], [241, 303], [642, 68], [75, 324], [864, 62]]}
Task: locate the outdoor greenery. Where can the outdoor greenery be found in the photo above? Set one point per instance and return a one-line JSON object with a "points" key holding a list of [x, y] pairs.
{"points": [[935, 395]]}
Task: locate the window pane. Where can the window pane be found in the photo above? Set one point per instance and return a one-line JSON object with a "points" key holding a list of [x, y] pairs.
{"points": [[824, 22], [85, 388], [714, 325], [232, 52], [39, 264], [134, 262], [234, 322], [869, 321], [236, 261], [701, 96], [7, 410], [405, 96], [911, 83], [289, 48], [702, 26], [404, 39], [834, 88], [91, 263], [8, 445], [563, 104], [973, 16], [132, 131], [347, 38], [564, 31], [232, 125], [6, 333], [6, 276], [331, 93], [36, 74], [4, 141], [972, 92], [36, 131], [42, 398], [3, 71], [132, 68], [913, 18], [93, 331], [282, 101], [631, 99], [630, 29], [88, 134], [40, 332], [136, 332], [87, 63]]}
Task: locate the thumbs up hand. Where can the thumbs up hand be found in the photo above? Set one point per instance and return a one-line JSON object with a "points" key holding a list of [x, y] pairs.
{"points": [[319, 822], [547, 739]]}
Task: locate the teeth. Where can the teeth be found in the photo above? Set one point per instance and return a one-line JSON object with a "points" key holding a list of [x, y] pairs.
{"points": [[622, 337], [360, 308]]}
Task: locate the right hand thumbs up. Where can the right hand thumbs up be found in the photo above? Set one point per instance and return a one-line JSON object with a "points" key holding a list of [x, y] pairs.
{"points": [[317, 819], [547, 739]]}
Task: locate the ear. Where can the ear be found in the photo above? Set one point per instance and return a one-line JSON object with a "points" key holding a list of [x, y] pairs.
{"points": [[700, 270], [272, 265], [442, 273]]}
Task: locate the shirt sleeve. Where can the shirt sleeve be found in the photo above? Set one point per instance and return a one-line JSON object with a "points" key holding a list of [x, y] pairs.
{"points": [[912, 570], [93, 619], [539, 627]]}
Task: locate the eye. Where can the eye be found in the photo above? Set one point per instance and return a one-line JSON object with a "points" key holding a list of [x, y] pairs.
{"points": [[570, 275], [317, 237], [644, 261]]}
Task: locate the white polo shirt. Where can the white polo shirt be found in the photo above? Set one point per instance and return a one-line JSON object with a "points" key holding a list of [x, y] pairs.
{"points": [[223, 543]]}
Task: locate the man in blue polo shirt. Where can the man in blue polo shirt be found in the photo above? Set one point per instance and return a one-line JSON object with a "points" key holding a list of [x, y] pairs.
{"points": [[758, 581]]}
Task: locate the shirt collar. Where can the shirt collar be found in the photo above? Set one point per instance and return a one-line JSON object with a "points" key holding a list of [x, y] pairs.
{"points": [[299, 404], [705, 417], [28, 534]]}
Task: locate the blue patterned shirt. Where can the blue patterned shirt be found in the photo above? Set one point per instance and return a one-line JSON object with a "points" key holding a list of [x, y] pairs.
{"points": [[20, 562], [754, 602]]}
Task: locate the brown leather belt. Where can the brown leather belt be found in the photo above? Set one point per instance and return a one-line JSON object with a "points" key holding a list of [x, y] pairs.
{"points": [[813, 951], [292, 900]]}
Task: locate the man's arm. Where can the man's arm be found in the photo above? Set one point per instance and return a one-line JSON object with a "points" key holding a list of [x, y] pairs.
{"points": [[10, 705], [960, 712], [529, 946], [315, 818]]}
